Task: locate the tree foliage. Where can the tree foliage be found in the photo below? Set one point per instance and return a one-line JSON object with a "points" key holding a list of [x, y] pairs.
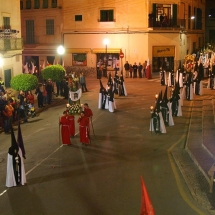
{"points": [[55, 72], [24, 82]]}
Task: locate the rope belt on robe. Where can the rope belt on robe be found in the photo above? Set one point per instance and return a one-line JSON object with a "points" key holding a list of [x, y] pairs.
{"points": [[86, 129]]}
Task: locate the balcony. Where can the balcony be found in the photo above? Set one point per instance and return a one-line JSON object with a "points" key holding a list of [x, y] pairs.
{"points": [[9, 44], [177, 23]]}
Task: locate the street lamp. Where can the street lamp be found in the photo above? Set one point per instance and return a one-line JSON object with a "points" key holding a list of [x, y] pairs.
{"points": [[106, 42], [61, 51]]}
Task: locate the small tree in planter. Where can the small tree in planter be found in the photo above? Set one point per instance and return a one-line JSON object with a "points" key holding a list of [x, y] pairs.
{"points": [[55, 72], [24, 82]]}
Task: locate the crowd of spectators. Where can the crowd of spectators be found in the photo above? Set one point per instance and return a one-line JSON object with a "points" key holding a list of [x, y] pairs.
{"points": [[18, 107]]}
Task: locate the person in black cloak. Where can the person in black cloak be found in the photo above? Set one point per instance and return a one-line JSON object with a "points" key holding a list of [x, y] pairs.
{"points": [[15, 166], [164, 108], [175, 100], [102, 96], [162, 76], [196, 79], [116, 83], [20, 140], [156, 120], [122, 90], [171, 79], [188, 79], [110, 97]]}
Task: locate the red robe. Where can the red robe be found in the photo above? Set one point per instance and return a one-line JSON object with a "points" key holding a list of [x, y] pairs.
{"points": [[148, 72], [65, 131], [88, 113], [84, 129], [71, 120]]}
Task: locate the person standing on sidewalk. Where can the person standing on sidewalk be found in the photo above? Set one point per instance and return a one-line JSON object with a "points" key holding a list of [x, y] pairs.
{"points": [[140, 68], [126, 67], [39, 94], [82, 81], [49, 89], [134, 70]]}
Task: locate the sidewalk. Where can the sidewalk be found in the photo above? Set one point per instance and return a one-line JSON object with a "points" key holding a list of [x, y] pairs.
{"points": [[193, 160]]}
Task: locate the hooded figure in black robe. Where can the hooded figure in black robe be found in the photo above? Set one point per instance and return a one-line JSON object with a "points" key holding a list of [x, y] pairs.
{"points": [[164, 108], [102, 96], [175, 100], [15, 166], [122, 89]]}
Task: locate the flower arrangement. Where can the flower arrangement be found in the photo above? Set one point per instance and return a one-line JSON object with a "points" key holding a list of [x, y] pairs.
{"points": [[74, 84], [74, 109]]}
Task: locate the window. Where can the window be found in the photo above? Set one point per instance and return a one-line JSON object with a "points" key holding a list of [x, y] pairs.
{"points": [[212, 13], [28, 4], [106, 15], [212, 36], [78, 17], [198, 18], [6, 21], [21, 5], [54, 3], [36, 4], [30, 31], [50, 27], [165, 15], [45, 3]]}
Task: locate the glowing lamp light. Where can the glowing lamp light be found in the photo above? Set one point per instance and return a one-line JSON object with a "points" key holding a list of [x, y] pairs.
{"points": [[106, 41], [192, 17], [156, 95], [60, 50], [67, 105]]}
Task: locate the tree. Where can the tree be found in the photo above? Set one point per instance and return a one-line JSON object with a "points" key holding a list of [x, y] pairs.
{"points": [[55, 72], [24, 82]]}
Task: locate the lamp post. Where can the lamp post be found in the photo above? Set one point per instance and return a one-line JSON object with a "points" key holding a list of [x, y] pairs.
{"points": [[61, 51], [106, 42]]}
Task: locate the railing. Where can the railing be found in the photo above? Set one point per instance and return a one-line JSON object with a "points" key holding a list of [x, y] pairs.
{"points": [[7, 44], [170, 23]]}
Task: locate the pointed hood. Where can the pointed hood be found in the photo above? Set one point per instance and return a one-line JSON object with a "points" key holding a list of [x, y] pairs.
{"points": [[165, 99], [101, 86], [13, 150], [20, 141]]}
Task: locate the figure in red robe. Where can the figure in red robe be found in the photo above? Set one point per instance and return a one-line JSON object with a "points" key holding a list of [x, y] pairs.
{"points": [[88, 113], [65, 129], [84, 129], [71, 120]]}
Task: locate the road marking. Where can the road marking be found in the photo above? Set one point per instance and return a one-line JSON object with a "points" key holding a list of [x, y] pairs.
{"points": [[2, 193]]}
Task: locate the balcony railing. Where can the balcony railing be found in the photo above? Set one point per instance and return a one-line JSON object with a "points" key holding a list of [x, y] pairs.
{"points": [[170, 23], [8, 44]]}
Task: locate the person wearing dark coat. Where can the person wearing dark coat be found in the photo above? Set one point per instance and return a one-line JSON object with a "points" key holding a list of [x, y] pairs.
{"points": [[49, 90], [65, 89], [140, 68], [134, 70], [39, 94]]}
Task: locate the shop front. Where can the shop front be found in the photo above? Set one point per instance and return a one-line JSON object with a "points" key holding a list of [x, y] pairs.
{"points": [[163, 56]]}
